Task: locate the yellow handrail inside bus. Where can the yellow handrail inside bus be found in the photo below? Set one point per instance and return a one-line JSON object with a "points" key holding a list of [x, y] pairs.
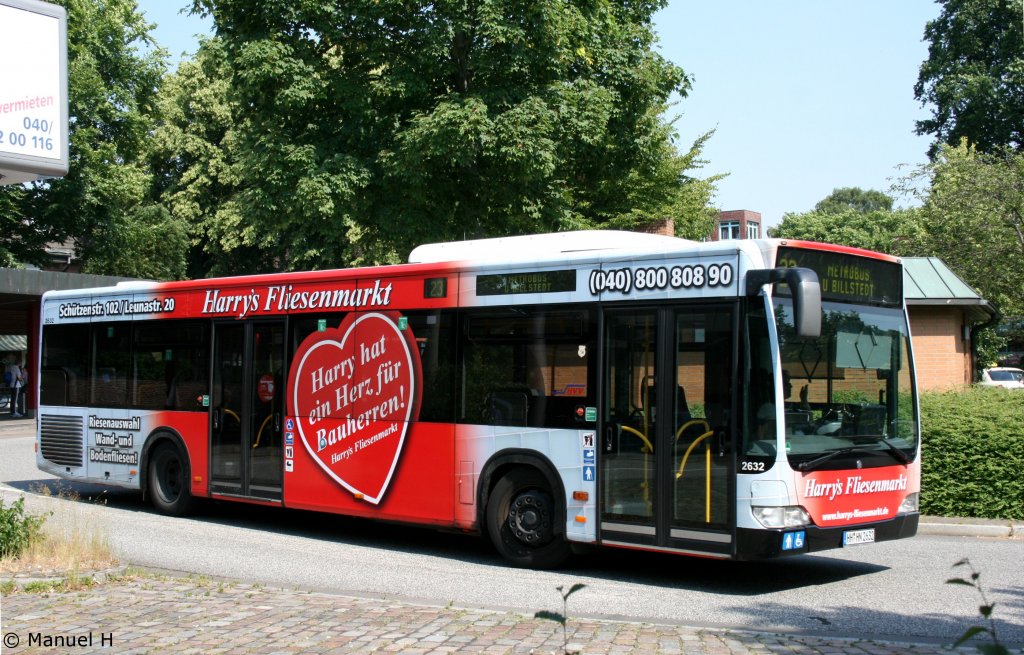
{"points": [[692, 421], [646, 450], [707, 483], [259, 435], [682, 464]]}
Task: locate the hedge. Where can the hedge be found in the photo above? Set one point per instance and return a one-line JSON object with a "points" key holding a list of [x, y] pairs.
{"points": [[972, 450]]}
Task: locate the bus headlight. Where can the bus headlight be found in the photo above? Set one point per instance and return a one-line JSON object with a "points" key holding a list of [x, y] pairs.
{"points": [[909, 504], [781, 517]]}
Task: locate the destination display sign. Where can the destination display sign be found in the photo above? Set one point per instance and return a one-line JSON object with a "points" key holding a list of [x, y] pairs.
{"points": [[848, 278], [526, 282]]}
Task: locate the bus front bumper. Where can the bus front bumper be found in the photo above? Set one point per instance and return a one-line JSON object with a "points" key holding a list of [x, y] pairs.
{"points": [[772, 544]]}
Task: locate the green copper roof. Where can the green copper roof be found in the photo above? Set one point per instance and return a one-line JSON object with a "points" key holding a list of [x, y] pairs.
{"points": [[928, 281]]}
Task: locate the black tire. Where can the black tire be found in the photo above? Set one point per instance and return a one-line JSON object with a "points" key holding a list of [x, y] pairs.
{"points": [[521, 521], [168, 480]]}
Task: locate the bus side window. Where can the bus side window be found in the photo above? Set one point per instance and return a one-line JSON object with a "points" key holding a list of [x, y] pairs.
{"points": [[527, 367], [113, 347], [170, 365], [434, 331]]}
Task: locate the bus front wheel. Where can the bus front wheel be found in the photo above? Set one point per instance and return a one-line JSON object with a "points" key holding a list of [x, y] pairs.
{"points": [[521, 516], [168, 480]]}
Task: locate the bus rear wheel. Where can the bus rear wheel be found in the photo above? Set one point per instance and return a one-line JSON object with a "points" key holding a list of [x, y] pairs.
{"points": [[521, 521], [169, 481]]}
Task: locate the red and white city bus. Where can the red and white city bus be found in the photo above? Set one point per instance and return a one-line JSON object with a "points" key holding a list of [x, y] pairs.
{"points": [[742, 399]]}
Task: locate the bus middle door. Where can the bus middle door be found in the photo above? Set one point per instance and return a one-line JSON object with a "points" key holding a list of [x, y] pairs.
{"points": [[246, 409], [666, 465]]}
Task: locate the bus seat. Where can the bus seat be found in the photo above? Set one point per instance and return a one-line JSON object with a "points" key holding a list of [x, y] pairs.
{"points": [[508, 407], [682, 409]]}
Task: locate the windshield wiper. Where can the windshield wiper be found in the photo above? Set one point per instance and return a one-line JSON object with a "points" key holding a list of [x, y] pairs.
{"points": [[891, 448], [898, 454], [821, 459]]}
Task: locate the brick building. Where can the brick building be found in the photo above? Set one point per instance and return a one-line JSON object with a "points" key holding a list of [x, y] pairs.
{"points": [[944, 314], [738, 224]]}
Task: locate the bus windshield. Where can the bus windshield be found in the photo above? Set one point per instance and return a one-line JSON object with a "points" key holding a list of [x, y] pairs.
{"points": [[849, 393]]}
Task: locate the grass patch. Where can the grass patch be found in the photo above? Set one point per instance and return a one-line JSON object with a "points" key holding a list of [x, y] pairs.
{"points": [[63, 544]]}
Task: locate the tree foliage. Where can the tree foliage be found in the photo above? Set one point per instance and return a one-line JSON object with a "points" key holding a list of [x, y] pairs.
{"points": [[856, 199], [20, 241], [974, 75], [147, 243], [857, 218], [973, 216], [362, 129], [105, 201], [193, 157]]}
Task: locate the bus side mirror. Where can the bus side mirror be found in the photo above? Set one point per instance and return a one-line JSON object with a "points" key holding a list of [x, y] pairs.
{"points": [[806, 292]]}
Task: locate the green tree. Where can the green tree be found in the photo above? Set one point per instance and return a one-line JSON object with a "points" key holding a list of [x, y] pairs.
{"points": [[20, 240], [857, 218], [856, 199], [973, 218], [105, 201], [672, 191], [974, 75], [362, 129], [197, 176], [148, 243]]}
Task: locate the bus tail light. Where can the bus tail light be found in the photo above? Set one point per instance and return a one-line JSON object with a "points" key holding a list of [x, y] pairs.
{"points": [[792, 516], [909, 504]]}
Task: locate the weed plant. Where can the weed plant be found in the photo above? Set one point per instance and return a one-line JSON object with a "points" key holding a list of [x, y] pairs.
{"points": [[562, 618], [18, 529], [985, 609]]}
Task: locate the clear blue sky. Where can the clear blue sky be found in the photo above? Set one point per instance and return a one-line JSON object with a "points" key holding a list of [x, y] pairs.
{"points": [[805, 95]]}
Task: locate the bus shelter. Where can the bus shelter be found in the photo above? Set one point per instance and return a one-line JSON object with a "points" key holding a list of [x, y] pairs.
{"points": [[20, 293]]}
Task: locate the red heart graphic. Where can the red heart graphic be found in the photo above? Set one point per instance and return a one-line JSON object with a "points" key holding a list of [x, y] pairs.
{"points": [[353, 390]]}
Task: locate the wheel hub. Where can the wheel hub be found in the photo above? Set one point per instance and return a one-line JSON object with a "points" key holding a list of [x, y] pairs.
{"points": [[529, 518]]}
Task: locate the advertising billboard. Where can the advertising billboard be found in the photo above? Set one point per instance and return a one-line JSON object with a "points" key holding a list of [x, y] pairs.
{"points": [[33, 91]]}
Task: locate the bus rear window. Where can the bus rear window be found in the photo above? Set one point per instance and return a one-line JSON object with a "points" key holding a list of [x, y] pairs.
{"points": [[64, 377], [157, 365]]}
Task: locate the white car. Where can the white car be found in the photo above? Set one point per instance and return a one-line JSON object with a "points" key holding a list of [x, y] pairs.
{"points": [[1003, 376]]}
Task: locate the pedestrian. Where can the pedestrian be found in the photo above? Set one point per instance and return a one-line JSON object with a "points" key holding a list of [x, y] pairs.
{"points": [[13, 375], [24, 389]]}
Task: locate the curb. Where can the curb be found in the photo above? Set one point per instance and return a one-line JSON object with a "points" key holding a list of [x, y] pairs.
{"points": [[88, 576], [968, 527]]}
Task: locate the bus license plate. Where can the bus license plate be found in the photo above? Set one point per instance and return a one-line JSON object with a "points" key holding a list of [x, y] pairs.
{"points": [[854, 537]]}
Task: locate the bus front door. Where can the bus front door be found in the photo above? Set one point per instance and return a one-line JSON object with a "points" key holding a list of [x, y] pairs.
{"points": [[666, 465], [246, 409]]}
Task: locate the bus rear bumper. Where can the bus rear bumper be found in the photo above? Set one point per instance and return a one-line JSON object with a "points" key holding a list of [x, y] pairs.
{"points": [[772, 544]]}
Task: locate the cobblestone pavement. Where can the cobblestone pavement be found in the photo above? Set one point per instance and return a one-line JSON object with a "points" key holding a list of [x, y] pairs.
{"points": [[150, 614]]}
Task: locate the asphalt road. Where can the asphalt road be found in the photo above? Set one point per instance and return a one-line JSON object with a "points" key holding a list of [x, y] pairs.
{"points": [[892, 590]]}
